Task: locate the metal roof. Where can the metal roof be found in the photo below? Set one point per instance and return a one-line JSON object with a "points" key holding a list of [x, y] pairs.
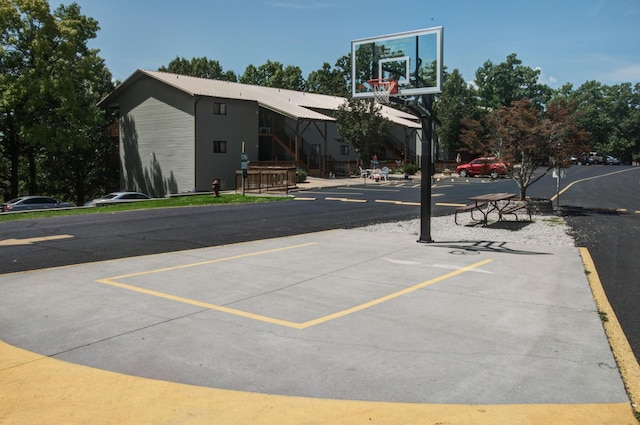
{"points": [[291, 103]]}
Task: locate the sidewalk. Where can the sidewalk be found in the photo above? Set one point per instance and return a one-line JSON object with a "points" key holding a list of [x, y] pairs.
{"points": [[338, 327]]}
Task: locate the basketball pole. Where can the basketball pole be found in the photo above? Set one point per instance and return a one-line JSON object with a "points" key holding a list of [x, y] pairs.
{"points": [[427, 119]]}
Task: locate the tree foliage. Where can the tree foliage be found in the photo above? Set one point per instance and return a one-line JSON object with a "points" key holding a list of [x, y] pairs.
{"points": [[274, 74], [501, 84], [611, 114], [50, 83], [334, 82], [525, 136], [456, 103], [361, 125], [199, 67]]}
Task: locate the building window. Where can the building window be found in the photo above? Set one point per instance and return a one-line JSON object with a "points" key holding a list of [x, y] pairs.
{"points": [[219, 108], [219, 146], [344, 149]]}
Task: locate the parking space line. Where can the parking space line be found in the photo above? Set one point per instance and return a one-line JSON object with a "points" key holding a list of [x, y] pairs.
{"points": [[116, 281], [345, 200], [444, 204], [389, 201], [30, 241]]}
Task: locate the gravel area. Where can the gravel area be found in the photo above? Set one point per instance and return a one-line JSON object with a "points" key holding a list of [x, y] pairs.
{"points": [[541, 230]]}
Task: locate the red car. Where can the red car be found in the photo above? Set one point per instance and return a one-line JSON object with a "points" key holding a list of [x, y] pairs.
{"points": [[483, 167]]}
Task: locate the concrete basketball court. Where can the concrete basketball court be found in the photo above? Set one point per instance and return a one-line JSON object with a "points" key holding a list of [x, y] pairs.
{"points": [[344, 326]]}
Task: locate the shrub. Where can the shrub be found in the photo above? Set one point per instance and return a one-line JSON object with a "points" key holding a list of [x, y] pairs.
{"points": [[410, 169], [301, 175]]}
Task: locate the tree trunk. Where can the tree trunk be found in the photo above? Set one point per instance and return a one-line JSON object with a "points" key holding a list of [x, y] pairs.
{"points": [[33, 174], [14, 159]]}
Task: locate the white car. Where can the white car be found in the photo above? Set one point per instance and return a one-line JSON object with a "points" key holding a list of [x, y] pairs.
{"points": [[27, 203], [118, 198]]}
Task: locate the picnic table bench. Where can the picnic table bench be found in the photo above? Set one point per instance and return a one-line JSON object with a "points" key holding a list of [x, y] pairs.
{"points": [[469, 207], [514, 208], [499, 202]]}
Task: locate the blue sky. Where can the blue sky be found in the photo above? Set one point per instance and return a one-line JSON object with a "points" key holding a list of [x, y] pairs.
{"points": [[570, 41]]}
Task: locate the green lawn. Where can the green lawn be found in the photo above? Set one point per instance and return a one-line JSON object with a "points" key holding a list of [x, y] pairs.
{"points": [[181, 201]]}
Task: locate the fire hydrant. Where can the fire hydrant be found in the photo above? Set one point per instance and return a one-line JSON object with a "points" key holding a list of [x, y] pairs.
{"points": [[215, 186]]}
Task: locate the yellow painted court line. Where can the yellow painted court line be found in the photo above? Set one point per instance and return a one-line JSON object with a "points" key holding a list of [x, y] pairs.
{"points": [[114, 281], [393, 295], [627, 363], [217, 260]]}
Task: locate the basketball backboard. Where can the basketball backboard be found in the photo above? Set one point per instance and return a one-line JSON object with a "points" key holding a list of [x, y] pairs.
{"points": [[413, 59]]}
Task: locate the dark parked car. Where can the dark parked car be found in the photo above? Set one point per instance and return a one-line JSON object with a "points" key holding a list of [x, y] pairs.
{"points": [[26, 203], [587, 160], [118, 198], [610, 160], [483, 166]]}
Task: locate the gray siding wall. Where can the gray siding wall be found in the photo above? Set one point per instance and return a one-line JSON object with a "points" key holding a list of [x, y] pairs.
{"points": [[238, 125], [157, 139]]}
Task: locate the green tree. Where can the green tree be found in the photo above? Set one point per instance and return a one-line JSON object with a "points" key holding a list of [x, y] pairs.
{"points": [[361, 125], [501, 84], [456, 102], [329, 81], [50, 82], [199, 67], [611, 114], [273, 74]]}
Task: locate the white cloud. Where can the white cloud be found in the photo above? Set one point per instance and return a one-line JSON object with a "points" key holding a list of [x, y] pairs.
{"points": [[625, 74], [546, 79]]}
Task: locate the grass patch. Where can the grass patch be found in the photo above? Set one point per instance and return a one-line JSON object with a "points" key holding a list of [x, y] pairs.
{"points": [[554, 220], [181, 201], [603, 316]]}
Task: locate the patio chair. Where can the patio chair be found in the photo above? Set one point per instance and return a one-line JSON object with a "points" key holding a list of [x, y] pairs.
{"points": [[385, 173]]}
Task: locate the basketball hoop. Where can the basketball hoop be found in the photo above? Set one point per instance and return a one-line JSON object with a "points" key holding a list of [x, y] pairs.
{"points": [[382, 88]]}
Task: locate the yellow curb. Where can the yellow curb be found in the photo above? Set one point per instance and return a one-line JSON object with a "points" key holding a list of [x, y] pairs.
{"points": [[40, 390], [626, 360]]}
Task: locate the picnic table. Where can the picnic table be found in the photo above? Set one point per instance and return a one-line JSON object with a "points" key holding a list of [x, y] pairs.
{"points": [[490, 202]]}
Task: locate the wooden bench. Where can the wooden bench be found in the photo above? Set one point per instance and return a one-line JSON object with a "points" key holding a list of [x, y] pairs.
{"points": [[513, 210], [469, 207]]}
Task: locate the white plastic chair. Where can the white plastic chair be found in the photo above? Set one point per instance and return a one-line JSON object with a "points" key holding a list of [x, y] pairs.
{"points": [[385, 173], [363, 173]]}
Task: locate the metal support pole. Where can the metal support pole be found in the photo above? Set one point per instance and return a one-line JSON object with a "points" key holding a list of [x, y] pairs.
{"points": [[427, 170]]}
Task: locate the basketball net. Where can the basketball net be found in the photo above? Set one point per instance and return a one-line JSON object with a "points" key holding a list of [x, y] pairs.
{"points": [[382, 88]]}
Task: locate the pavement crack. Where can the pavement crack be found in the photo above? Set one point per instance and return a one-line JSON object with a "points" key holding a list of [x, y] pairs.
{"points": [[133, 331]]}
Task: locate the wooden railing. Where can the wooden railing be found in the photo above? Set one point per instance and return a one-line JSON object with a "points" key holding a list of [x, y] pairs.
{"points": [[266, 179]]}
